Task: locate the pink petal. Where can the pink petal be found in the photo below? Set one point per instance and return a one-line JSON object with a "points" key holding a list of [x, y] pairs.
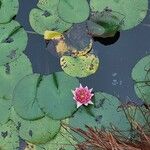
{"points": [[91, 90], [90, 102], [74, 98], [73, 92], [86, 88], [78, 104], [81, 86]]}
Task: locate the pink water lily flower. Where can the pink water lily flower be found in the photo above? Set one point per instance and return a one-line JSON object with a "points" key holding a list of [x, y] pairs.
{"points": [[82, 96]]}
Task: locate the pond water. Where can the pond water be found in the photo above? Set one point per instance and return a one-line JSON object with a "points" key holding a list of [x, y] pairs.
{"points": [[117, 60]]}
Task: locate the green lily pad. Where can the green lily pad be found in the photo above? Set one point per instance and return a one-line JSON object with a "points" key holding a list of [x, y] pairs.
{"points": [[80, 66], [95, 29], [139, 115], [11, 73], [48, 5], [8, 9], [133, 11], [143, 91], [141, 76], [38, 131], [73, 11], [25, 97], [9, 139], [5, 106], [63, 140], [142, 69], [13, 41], [46, 17], [104, 114], [55, 97], [110, 22]]}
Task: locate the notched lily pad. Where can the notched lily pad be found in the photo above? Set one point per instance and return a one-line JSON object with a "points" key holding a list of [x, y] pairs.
{"points": [[8, 9], [80, 66], [13, 41], [9, 139], [46, 18], [141, 76], [133, 11], [104, 114], [73, 11], [38, 131], [25, 97], [55, 97]]}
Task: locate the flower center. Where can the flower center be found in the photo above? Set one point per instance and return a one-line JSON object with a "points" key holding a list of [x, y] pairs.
{"points": [[83, 96]]}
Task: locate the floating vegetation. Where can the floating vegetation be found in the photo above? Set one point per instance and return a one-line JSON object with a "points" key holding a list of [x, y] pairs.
{"points": [[46, 17], [80, 66], [49, 111], [141, 76], [96, 20], [13, 41], [133, 11]]}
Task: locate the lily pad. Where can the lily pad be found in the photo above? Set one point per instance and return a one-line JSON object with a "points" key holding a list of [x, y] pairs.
{"points": [[46, 17], [48, 5], [141, 76], [143, 91], [9, 139], [142, 69], [77, 37], [139, 115], [104, 115], [95, 29], [80, 66], [58, 47], [10, 74], [5, 106], [110, 22], [8, 9], [63, 140], [13, 41], [25, 97], [38, 131], [133, 11], [73, 11], [55, 97]]}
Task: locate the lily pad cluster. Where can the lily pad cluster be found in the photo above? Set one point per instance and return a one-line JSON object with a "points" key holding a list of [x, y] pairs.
{"points": [[46, 103], [40, 105], [39, 109], [141, 77], [79, 21]]}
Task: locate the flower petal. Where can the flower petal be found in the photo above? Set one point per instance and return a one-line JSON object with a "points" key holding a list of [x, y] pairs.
{"points": [[81, 85], [90, 102], [79, 104]]}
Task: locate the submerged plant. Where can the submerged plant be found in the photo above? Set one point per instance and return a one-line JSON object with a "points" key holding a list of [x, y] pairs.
{"points": [[82, 96]]}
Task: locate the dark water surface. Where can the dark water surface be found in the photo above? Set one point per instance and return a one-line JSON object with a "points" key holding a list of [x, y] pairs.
{"points": [[117, 60]]}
